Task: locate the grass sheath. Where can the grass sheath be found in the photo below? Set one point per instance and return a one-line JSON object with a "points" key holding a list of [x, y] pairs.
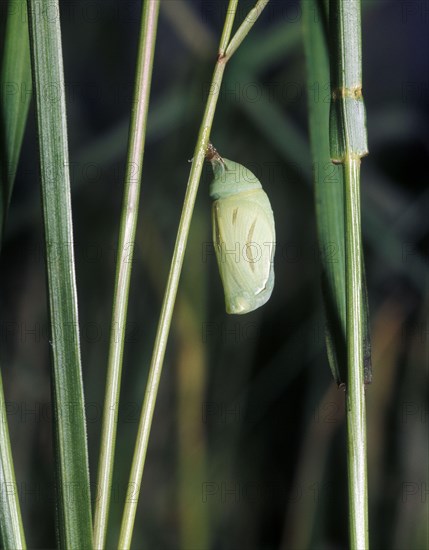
{"points": [[136, 143], [71, 455], [224, 54]]}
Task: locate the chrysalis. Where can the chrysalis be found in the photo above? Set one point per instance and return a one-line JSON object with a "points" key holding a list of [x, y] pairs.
{"points": [[243, 235]]}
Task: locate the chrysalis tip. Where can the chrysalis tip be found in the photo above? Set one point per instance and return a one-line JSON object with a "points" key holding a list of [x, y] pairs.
{"points": [[213, 156]]}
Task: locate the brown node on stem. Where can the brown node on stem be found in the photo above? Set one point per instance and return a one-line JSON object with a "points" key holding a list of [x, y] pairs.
{"points": [[353, 92]]}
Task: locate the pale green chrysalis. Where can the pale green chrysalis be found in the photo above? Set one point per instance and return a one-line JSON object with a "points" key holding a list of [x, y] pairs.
{"points": [[243, 235]]}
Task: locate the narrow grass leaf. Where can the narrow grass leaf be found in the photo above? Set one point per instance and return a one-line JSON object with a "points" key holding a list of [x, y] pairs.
{"points": [[73, 494], [12, 532], [14, 100], [15, 78], [328, 186]]}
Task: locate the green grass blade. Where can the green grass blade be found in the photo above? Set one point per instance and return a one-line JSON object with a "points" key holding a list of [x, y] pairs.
{"points": [[329, 195], [15, 99], [73, 494], [15, 79], [12, 532]]}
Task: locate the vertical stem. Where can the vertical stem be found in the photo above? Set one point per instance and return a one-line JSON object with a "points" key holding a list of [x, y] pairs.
{"points": [[227, 28], [127, 233], [348, 144], [355, 394]]}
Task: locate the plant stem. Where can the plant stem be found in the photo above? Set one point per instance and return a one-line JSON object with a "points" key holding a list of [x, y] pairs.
{"points": [[227, 28], [71, 454], [355, 394], [348, 145], [173, 280], [245, 27], [137, 135]]}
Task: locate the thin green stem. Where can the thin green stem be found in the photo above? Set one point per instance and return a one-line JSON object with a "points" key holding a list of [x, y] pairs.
{"points": [[355, 394], [348, 145], [245, 27], [227, 28], [172, 285], [136, 143]]}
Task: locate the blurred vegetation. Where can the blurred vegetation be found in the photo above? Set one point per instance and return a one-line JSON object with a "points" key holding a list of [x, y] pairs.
{"points": [[248, 444]]}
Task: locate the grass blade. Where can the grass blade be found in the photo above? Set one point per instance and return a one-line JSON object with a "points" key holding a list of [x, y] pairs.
{"points": [[12, 532], [328, 187], [15, 79], [73, 494], [15, 100]]}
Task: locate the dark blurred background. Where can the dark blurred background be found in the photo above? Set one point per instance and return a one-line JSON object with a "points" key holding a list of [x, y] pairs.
{"points": [[247, 448]]}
